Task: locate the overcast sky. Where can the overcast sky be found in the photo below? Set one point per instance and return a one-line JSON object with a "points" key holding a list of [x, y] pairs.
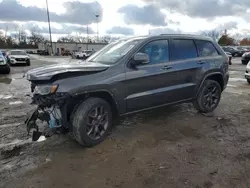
{"points": [[127, 17]]}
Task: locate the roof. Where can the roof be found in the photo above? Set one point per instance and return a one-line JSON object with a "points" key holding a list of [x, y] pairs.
{"points": [[95, 43], [188, 36]]}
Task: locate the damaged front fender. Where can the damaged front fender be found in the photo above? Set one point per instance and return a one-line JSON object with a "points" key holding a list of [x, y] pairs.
{"points": [[51, 109]]}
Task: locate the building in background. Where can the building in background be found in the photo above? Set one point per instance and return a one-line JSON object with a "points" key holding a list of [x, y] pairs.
{"points": [[61, 47]]}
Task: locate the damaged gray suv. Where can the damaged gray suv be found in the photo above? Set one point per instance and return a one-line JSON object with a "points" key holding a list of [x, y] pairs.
{"points": [[127, 76]]}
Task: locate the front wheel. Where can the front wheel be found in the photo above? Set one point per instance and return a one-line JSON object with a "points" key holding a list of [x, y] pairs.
{"points": [[91, 122], [248, 80], [208, 97]]}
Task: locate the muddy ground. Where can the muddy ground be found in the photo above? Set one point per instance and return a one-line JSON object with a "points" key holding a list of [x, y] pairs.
{"points": [[168, 147]]}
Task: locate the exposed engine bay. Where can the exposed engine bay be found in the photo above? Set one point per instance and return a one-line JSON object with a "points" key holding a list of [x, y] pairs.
{"points": [[49, 110]]}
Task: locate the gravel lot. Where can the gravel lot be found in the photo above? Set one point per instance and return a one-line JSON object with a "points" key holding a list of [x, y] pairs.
{"points": [[168, 147]]}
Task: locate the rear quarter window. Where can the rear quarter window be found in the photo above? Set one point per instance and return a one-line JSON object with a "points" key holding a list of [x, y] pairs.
{"points": [[206, 48]]}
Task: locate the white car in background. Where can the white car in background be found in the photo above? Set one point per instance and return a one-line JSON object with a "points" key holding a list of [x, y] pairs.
{"points": [[247, 73], [83, 54], [18, 57]]}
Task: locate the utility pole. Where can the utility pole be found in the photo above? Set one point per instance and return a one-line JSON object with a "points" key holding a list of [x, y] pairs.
{"points": [[49, 26], [97, 20], [87, 37]]}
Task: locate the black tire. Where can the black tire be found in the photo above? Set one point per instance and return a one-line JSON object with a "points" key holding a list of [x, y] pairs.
{"points": [[28, 63], [77, 57], [200, 102], [248, 80], [5, 69], [244, 62], [80, 117]]}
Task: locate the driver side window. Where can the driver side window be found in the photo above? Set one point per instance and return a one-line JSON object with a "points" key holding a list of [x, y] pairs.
{"points": [[158, 51]]}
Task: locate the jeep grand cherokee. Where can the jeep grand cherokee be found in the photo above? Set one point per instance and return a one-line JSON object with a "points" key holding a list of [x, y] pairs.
{"points": [[127, 76]]}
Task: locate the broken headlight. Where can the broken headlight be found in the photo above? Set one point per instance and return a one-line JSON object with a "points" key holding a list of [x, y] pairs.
{"points": [[45, 89]]}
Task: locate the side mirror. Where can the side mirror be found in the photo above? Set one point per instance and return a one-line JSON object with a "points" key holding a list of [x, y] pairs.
{"points": [[140, 58]]}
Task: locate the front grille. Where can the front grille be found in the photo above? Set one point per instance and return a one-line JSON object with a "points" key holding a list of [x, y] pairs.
{"points": [[20, 59]]}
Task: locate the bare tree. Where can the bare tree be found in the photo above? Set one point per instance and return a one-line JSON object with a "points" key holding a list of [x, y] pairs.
{"points": [[79, 38], [214, 34], [237, 37]]}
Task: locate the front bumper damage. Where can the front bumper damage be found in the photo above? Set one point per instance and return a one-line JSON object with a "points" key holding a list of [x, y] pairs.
{"points": [[50, 109]]}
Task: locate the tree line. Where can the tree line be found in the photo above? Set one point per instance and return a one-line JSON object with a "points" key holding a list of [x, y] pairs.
{"points": [[226, 39], [21, 40]]}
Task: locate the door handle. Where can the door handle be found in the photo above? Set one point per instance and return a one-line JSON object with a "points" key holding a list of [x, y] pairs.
{"points": [[201, 62], [167, 67]]}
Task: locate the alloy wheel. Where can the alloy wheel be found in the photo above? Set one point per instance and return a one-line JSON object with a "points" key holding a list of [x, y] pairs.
{"points": [[97, 122], [211, 96]]}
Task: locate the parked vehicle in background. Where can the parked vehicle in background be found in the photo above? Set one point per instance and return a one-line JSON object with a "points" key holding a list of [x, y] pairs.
{"points": [[127, 76], [247, 73], [245, 58], [4, 66], [229, 55], [248, 48], [18, 57], [66, 53], [83, 54], [29, 52], [243, 49], [42, 52], [234, 51]]}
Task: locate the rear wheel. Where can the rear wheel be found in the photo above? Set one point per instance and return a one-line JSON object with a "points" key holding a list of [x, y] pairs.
{"points": [[248, 80], [208, 97], [91, 122]]}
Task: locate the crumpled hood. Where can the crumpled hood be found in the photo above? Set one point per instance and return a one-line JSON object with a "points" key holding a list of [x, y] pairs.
{"points": [[47, 72], [19, 56]]}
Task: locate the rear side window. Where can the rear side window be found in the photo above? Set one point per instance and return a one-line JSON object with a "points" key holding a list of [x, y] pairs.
{"points": [[206, 48], [183, 49]]}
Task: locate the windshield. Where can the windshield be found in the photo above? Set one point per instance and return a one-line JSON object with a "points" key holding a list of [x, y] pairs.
{"points": [[18, 53], [114, 51]]}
